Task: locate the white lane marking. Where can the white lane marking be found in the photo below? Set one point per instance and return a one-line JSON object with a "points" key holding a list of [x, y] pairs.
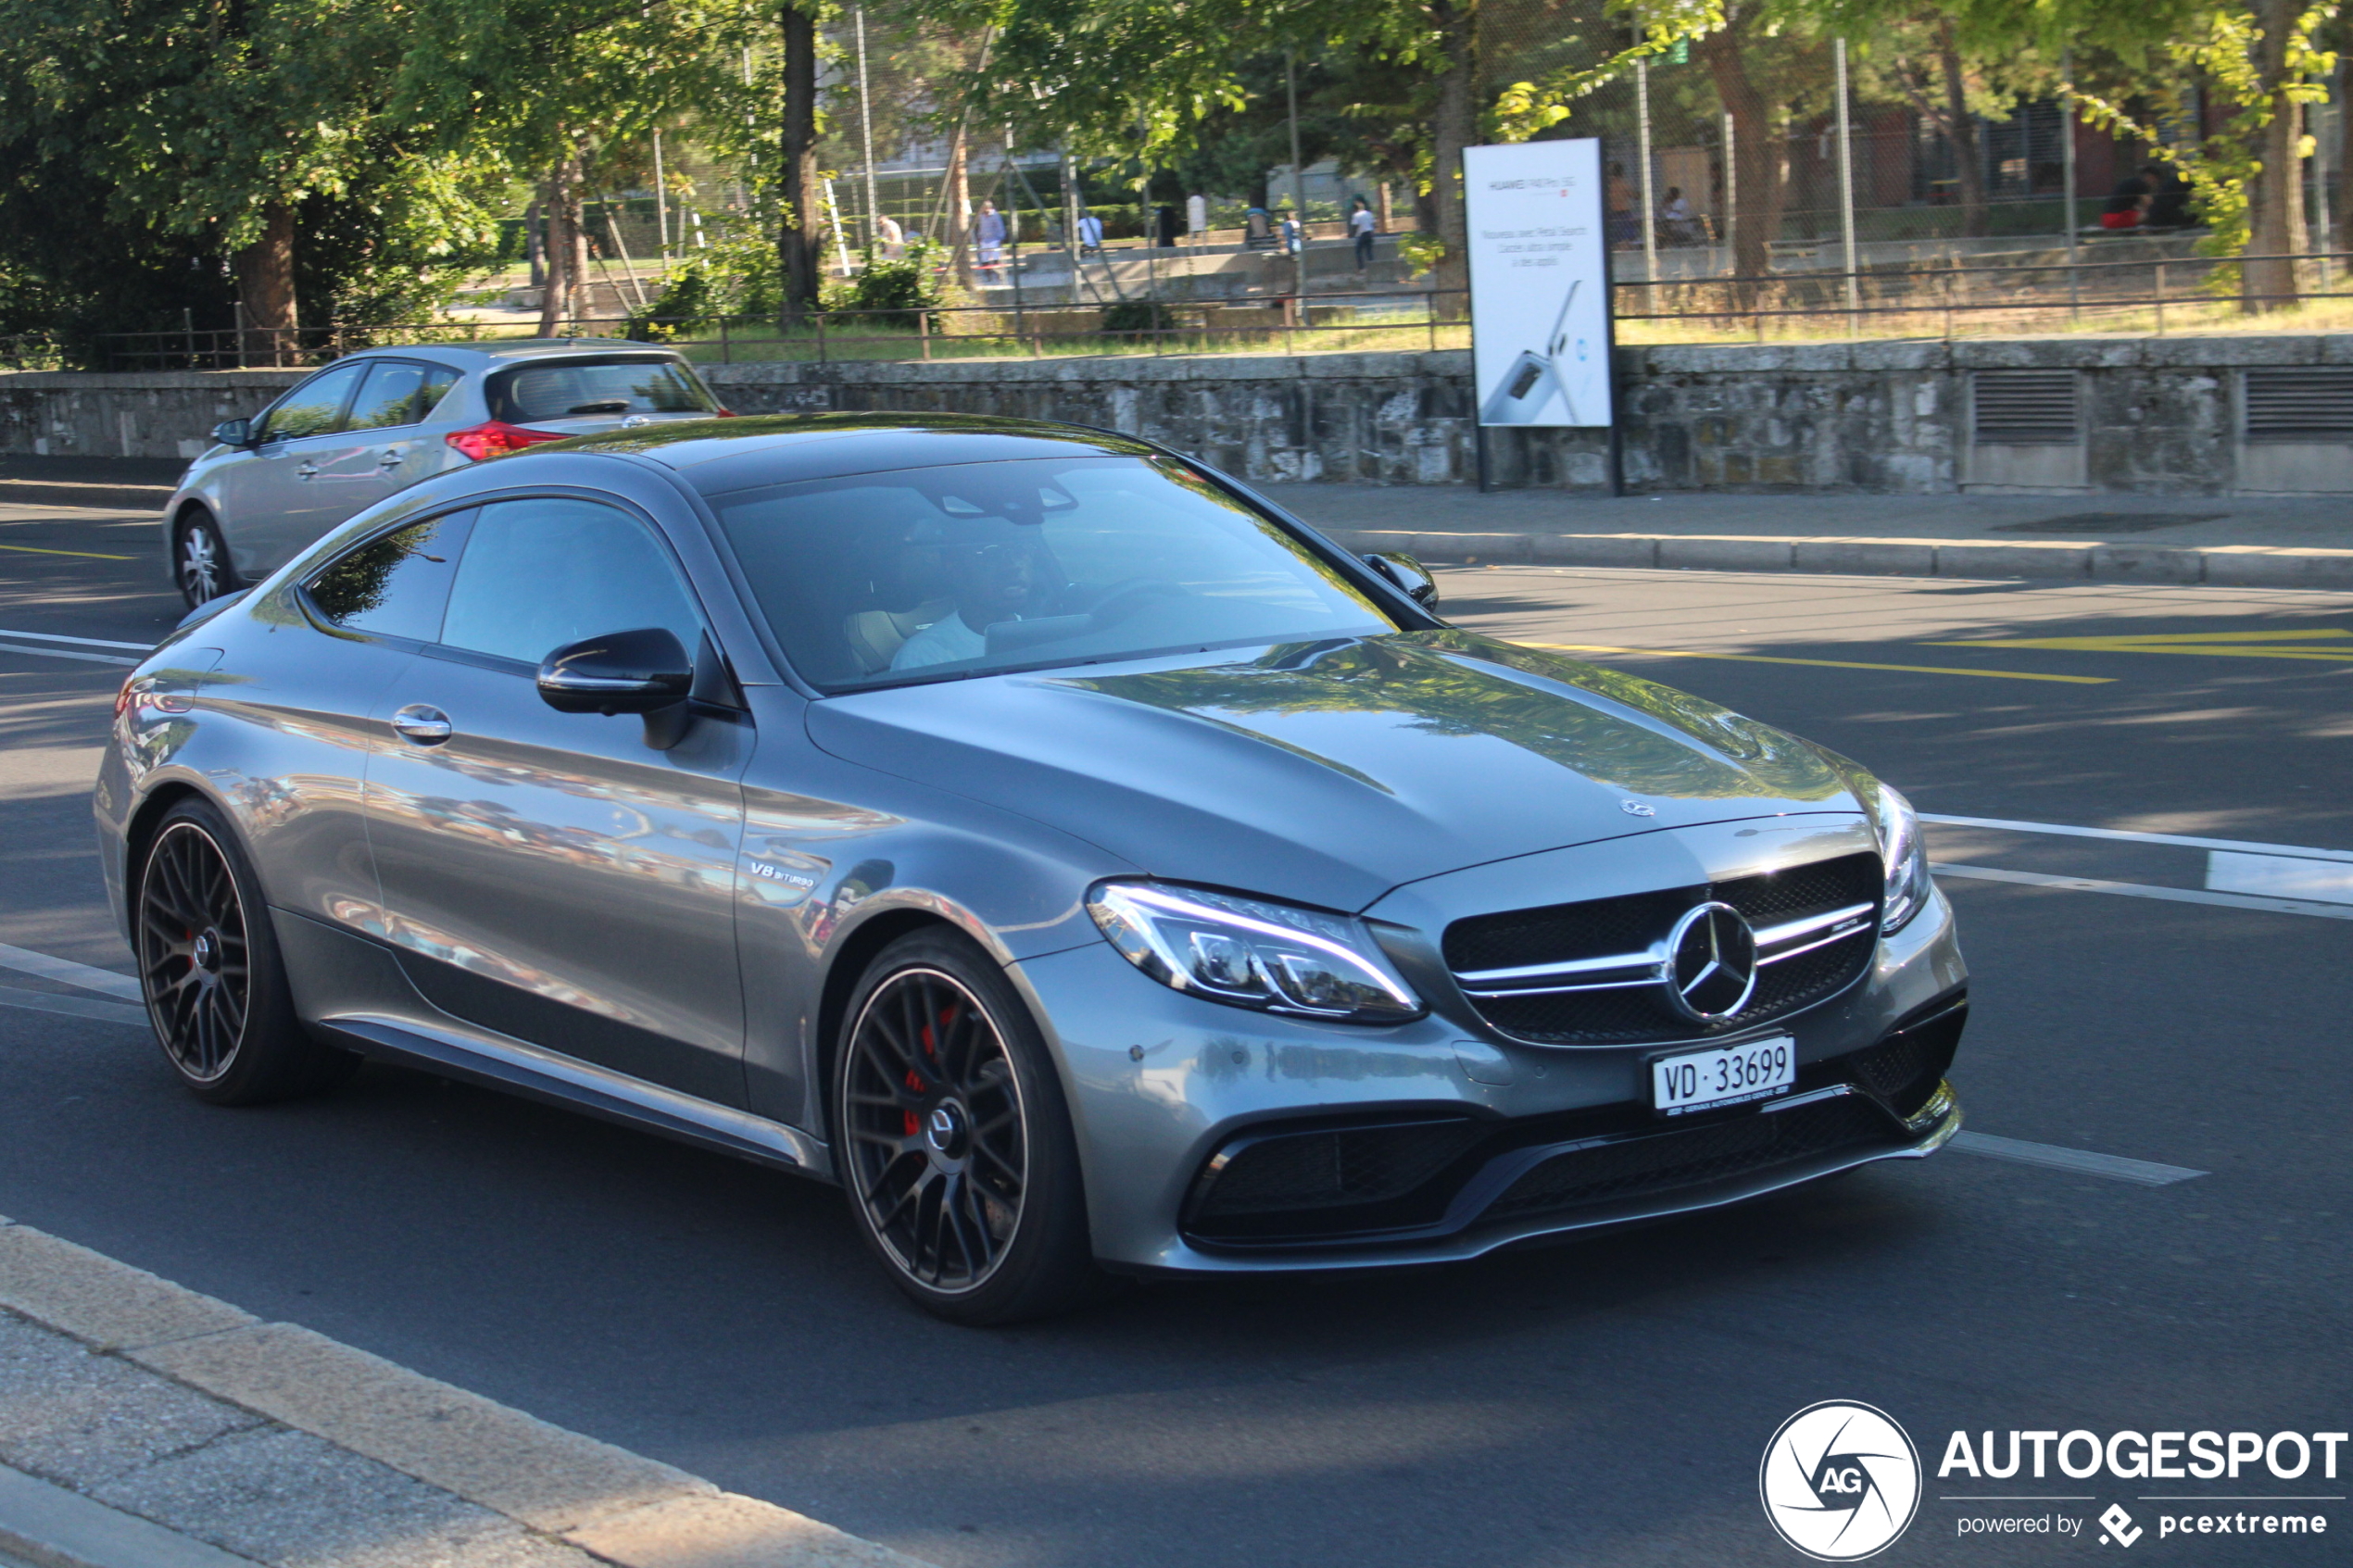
{"points": [[69, 653], [71, 1007], [2183, 840], [2082, 1161], [78, 642], [24, 960], [2279, 876], [2143, 890]]}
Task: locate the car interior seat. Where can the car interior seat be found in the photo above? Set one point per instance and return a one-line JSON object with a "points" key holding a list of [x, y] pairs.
{"points": [[876, 635]]}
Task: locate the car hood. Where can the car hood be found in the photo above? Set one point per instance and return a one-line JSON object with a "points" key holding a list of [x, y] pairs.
{"points": [[1330, 773]]}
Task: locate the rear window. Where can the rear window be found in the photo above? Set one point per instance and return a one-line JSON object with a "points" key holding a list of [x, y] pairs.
{"points": [[585, 388]]}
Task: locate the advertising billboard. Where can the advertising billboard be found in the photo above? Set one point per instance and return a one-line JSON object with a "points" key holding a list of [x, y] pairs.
{"points": [[1540, 283]]}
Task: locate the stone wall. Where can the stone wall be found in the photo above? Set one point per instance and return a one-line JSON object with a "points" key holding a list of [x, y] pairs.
{"points": [[2158, 414]]}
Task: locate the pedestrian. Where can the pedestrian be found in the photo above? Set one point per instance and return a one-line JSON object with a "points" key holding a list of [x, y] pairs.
{"points": [[1675, 219], [1293, 236], [990, 238], [1091, 232], [1620, 223], [2127, 203], [1362, 227], [2168, 198], [889, 238]]}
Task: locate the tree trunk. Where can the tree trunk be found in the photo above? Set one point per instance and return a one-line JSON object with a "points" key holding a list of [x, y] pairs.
{"points": [[2275, 196], [1452, 129], [959, 205], [266, 289], [1757, 154], [1961, 132], [1382, 213], [563, 248], [535, 244], [802, 237]]}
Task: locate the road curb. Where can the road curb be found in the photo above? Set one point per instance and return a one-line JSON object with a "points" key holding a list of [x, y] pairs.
{"points": [[2234, 566], [613, 1505], [52, 1527], [70, 493]]}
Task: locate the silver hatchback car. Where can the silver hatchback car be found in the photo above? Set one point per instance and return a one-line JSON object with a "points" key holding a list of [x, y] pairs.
{"points": [[378, 421]]}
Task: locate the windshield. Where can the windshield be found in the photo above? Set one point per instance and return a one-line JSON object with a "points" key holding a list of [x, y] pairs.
{"points": [[925, 573], [570, 388]]}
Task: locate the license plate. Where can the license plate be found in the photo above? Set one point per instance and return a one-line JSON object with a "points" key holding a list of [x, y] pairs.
{"points": [[1699, 1080]]}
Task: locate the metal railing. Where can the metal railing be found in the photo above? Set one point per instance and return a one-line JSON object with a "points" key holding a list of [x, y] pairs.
{"points": [[2155, 295]]}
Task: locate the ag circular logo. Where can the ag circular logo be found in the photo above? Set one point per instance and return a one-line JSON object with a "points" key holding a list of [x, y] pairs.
{"points": [[1841, 1481]]}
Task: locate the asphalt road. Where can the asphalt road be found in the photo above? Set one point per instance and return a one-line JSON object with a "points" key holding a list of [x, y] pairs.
{"points": [[1602, 1403]]}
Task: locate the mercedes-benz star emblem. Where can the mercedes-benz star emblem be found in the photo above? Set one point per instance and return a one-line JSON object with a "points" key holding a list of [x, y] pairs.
{"points": [[1711, 967], [1636, 808]]}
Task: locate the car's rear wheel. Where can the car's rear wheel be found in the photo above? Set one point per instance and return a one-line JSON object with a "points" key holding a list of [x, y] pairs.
{"points": [[200, 559], [210, 969], [954, 1142]]}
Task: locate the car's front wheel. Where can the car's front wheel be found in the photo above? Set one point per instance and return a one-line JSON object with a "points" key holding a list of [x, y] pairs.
{"points": [[954, 1142], [209, 967], [200, 561]]}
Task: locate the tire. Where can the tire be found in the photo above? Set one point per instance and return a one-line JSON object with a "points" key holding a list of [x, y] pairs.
{"points": [[209, 968], [200, 562], [954, 1143]]}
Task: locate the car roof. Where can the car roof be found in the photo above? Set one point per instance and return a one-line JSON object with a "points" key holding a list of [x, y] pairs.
{"points": [[720, 456], [484, 355]]}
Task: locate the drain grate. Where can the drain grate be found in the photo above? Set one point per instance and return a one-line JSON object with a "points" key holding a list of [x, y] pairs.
{"points": [[2107, 522]]}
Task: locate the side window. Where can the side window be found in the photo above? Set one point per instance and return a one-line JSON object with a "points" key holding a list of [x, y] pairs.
{"points": [[396, 584], [540, 573], [439, 379], [389, 397], [315, 408]]}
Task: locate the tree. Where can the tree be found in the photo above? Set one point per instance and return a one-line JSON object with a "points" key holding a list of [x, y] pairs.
{"points": [[539, 87]]}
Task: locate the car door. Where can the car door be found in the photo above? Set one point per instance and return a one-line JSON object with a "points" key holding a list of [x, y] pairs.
{"points": [[305, 695], [551, 875], [388, 451], [272, 500]]}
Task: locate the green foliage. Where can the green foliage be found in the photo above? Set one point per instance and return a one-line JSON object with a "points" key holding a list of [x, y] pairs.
{"points": [[899, 289], [739, 276]]}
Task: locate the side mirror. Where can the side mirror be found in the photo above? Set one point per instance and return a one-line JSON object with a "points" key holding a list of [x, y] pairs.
{"points": [[644, 671], [1408, 574], [234, 433]]}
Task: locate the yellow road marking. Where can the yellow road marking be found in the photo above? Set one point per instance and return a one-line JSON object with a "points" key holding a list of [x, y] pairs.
{"points": [[2215, 645], [85, 555], [1830, 663]]}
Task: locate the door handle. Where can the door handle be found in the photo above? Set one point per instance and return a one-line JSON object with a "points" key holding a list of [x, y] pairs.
{"points": [[422, 723], [309, 469], [391, 456]]}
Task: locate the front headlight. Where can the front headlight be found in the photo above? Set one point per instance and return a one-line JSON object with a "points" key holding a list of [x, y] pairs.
{"points": [[1904, 854], [1253, 954]]}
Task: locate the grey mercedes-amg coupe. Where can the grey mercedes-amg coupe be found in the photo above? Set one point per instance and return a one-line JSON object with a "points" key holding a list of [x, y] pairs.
{"points": [[1089, 868]]}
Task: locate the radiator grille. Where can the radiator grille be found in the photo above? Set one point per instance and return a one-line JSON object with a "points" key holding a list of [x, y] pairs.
{"points": [[2285, 404], [1604, 927], [2027, 408]]}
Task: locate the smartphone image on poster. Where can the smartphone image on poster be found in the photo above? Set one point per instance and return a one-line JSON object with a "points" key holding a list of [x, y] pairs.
{"points": [[1534, 379]]}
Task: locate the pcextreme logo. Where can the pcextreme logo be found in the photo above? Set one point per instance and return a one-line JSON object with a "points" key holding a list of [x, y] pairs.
{"points": [[1840, 1481]]}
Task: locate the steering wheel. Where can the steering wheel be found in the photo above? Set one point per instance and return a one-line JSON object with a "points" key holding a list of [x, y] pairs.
{"points": [[1125, 598]]}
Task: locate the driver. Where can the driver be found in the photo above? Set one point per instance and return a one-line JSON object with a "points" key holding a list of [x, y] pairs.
{"points": [[1003, 580]]}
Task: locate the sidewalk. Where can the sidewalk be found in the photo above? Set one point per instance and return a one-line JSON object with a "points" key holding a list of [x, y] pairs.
{"points": [[143, 1426], [2239, 541]]}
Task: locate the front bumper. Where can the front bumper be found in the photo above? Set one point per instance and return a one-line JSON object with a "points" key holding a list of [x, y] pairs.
{"points": [[1162, 1087]]}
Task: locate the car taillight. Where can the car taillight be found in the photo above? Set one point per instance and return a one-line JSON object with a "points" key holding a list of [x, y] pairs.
{"points": [[724, 414], [497, 436]]}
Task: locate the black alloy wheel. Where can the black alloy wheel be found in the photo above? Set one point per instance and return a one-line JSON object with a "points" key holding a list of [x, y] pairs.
{"points": [[193, 954], [200, 561], [954, 1145], [210, 969]]}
